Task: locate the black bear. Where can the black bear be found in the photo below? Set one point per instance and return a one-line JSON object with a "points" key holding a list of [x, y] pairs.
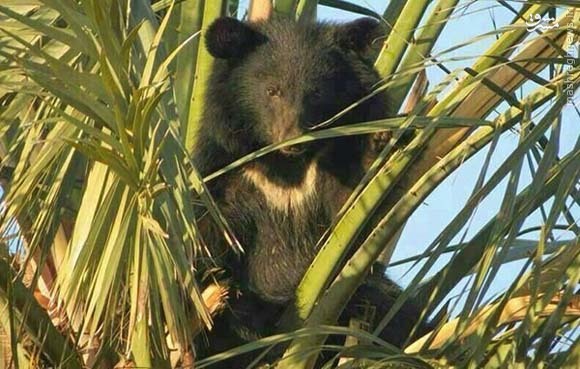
{"points": [[272, 81]]}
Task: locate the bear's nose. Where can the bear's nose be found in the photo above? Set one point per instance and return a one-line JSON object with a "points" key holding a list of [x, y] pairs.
{"points": [[286, 129]]}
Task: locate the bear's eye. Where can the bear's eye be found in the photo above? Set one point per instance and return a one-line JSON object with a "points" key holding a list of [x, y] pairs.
{"points": [[273, 91]]}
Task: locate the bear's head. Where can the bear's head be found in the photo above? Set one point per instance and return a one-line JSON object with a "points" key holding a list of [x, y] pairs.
{"points": [[285, 78]]}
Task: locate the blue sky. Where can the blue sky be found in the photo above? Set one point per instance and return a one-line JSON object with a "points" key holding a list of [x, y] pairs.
{"points": [[471, 20]]}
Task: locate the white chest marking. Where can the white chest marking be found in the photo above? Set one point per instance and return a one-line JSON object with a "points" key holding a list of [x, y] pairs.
{"points": [[280, 197]]}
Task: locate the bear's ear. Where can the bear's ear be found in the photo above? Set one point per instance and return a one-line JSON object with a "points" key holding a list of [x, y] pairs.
{"points": [[358, 35], [229, 38]]}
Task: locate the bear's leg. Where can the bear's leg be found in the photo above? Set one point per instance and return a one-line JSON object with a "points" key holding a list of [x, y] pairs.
{"points": [[370, 303], [376, 297], [247, 319]]}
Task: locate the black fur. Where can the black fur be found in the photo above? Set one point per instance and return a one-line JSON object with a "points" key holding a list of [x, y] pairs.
{"points": [[281, 80], [231, 39]]}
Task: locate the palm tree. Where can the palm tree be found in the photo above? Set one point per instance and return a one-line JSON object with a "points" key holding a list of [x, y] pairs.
{"points": [[101, 257]]}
